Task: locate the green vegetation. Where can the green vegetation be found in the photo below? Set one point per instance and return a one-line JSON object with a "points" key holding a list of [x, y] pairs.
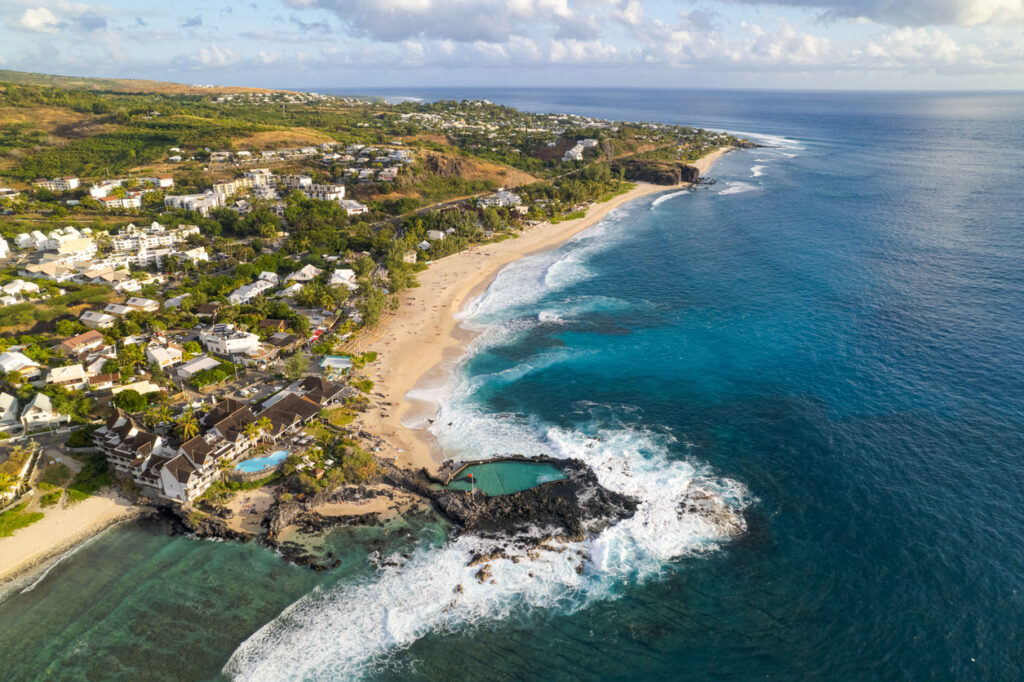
{"points": [[82, 438], [55, 475], [17, 518], [94, 476], [364, 385]]}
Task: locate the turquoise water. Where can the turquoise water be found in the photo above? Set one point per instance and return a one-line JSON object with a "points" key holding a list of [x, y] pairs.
{"points": [[828, 340], [261, 463], [504, 478]]}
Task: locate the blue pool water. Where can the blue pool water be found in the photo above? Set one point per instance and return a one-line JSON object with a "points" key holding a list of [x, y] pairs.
{"points": [[261, 463], [505, 477]]}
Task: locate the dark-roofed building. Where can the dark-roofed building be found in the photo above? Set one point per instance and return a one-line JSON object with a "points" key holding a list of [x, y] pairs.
{"points": [[322, 391], [228, 419], [276, 325], [290, 412]]}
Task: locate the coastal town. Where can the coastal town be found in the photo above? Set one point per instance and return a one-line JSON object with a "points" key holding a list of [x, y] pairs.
{"points": [[216, 319]]}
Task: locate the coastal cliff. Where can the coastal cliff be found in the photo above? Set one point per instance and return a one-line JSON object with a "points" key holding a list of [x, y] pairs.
{"points": [[657, 172]]}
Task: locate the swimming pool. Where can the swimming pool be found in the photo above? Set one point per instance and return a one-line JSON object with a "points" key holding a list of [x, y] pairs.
{"points": [[262, 463], [505, 477]]}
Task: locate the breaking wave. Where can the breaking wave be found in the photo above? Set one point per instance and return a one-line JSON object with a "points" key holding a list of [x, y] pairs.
{"points": [[348, 630], [665, 197], [738, 188]]}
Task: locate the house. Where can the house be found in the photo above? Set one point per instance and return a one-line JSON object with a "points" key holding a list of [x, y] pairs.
{"points": [[99, 382], [344, 277], [291, 291], [195, 255], [502, 198], [306, 274], [143, 305], [322, 391], [434, 235], [117, 309], [39, 412], [276, 325], [176, 301], [5, 249], [353, 207], [164, 356], [270, 277], [70, 376], [93, 319], [423, 245], [9, 420], [227, 420], [15, 362], [248, 292], [20, 286], [224, 339], [283, 341], [83, 343], [207, 309], [409, 256], [335, 365], [195, 365]]}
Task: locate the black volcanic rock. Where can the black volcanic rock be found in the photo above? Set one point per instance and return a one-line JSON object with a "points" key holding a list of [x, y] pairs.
{"points": [[658, 172]]}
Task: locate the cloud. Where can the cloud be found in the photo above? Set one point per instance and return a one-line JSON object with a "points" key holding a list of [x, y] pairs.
{"points": [[218, 57], [464, 21], [914, 12], [39, 20], [193, 22]]}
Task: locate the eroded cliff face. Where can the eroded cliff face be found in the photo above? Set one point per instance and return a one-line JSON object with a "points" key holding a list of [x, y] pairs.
{"points": [[658, 172]]}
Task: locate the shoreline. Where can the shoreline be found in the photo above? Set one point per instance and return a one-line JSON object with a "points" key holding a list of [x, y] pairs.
{"points": [[59, 532], [420, 343]]}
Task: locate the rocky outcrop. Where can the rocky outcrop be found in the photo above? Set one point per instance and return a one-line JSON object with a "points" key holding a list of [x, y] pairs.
{"points": [[572, 508], [657, 172], [445, 166]]}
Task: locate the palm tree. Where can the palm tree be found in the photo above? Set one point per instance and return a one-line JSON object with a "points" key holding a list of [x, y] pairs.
{"points": [[188, 425], [266, 426], [251, 431], [163, 413], [7, 482]]}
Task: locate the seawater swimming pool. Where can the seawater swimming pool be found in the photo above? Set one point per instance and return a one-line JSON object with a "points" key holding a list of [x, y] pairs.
{"points": [[261, 463], [505, 477]]}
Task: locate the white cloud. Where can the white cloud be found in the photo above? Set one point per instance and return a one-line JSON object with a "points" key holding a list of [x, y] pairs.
{"points": [[39, 20], [216, 56], [914, 12]]}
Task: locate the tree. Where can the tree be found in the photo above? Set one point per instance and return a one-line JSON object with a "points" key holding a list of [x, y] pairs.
{"points": [[296, 366], [266, 426], [188, 425], [68, 328], [130, 401]]}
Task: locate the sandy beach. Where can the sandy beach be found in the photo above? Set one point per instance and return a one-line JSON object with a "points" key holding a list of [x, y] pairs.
{"points": [[59, 531], [421, 341]]}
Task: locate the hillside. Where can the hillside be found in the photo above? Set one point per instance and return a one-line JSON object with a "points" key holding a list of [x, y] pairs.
{"points": [[118, 84]]}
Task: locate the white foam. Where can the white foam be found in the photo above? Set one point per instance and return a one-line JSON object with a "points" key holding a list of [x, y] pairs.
{"points": [[738, 188], [665, 197], [347, 630], [756, 171]]}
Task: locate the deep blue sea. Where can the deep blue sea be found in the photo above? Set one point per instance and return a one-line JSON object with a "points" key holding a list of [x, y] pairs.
{"points": [[829, 340]]}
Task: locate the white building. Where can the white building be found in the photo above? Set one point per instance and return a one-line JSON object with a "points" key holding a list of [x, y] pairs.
{"points": [[5, 249], [39, 412], [353, 207], [200, 203], [13, 361], [143, 305], [270, 277], [93, 319], [305, 274], [65, 184], [20, 286], [70, 376], [344, 277], [224, 339], [164, 356], [9, 419], [195, 365], [248, 292]]}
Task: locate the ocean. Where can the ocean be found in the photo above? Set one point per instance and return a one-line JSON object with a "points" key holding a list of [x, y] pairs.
{"points": [[829, 339]]}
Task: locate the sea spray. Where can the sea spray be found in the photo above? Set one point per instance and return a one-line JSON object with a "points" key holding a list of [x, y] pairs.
{"points": [[350, 630]]}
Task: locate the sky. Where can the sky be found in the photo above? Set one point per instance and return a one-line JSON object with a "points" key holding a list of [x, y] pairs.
{"points": [[360, 45]]}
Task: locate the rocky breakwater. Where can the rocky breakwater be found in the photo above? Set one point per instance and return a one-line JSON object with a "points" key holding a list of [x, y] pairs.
{"points": [[571, 508], [657, 172]]}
